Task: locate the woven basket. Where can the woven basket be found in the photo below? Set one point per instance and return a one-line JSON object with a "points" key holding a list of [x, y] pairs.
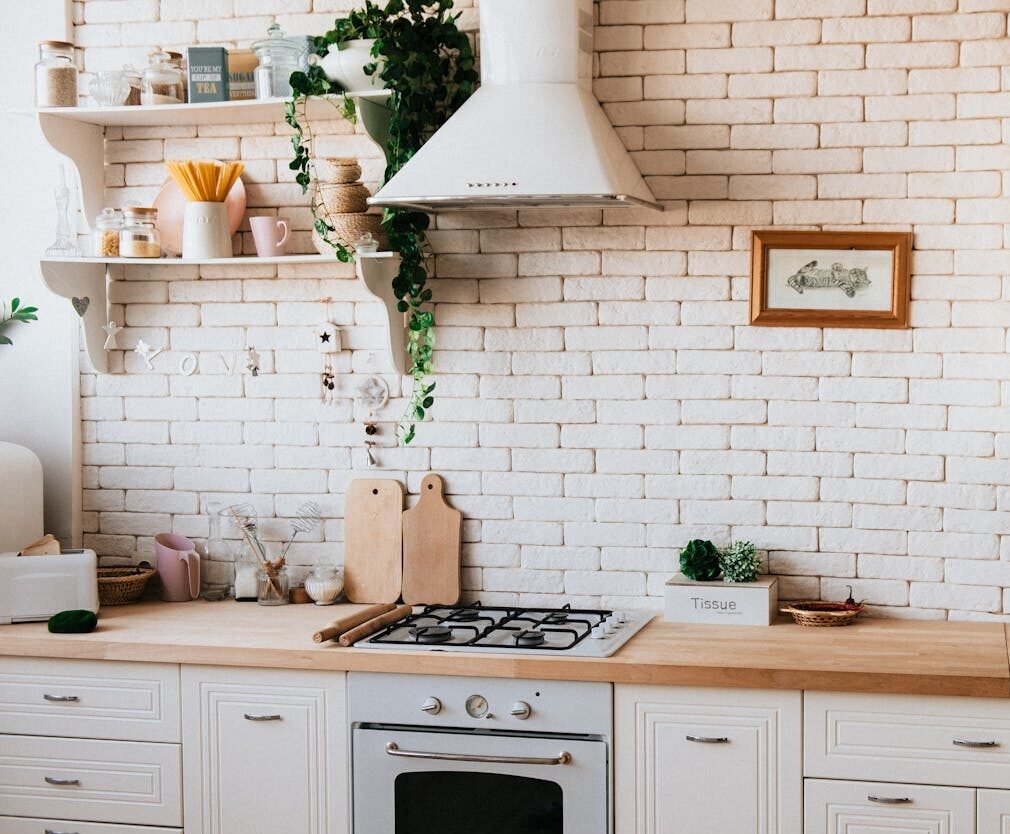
{"points": [[338, 169], [123, 585], [823, 614], [348, 198], [347, 228]]}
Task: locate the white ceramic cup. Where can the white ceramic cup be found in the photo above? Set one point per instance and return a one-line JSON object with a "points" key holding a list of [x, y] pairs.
{"points": [[270, 234], [205, 231]]}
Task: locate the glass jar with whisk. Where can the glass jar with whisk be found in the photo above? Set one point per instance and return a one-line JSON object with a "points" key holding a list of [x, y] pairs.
{"points": [[273, 585]]}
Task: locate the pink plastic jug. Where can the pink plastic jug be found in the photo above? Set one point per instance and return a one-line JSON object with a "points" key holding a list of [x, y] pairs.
{"points": [[178, 567]]}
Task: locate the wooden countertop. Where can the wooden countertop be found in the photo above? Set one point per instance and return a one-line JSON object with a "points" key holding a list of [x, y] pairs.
{"points": [[901, 656]]}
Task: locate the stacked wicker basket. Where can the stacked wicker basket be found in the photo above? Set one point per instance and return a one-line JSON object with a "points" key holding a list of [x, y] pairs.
{"points": [[340, 198]]}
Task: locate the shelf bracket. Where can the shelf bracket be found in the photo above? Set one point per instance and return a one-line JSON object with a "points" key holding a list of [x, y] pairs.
{"points": [[84, 145], [376, 271], [77, 282]]}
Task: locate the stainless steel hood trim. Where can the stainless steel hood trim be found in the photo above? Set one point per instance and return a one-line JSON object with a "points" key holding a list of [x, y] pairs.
{"points": [[465, 201]]}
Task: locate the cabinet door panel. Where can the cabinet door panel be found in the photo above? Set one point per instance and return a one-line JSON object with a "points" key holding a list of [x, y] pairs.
{"points": [[994, 812], [706, 761], [843, 807], [33, 825], [264, 750]]}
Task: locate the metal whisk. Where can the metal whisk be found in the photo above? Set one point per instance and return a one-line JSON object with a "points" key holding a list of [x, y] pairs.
{"points": [[308, 518]]}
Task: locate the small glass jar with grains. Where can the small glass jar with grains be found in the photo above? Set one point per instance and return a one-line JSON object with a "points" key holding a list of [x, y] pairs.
{"points": [[162, 81], [139, 237], [108, 226], [56, 75]]}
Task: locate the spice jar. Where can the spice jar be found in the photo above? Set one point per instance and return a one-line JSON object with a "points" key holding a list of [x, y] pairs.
{"points": [[325, 584], [162, 81], [139, 237], [108, 226], [274, 585], [56, 75], [135, 80], [278, 58]]}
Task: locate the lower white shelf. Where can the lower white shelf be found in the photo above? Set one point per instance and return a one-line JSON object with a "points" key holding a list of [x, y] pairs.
{"points": [[252, 260]]}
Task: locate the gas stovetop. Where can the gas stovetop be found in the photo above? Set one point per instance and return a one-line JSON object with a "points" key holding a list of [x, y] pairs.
{"points": [[477, 628]]}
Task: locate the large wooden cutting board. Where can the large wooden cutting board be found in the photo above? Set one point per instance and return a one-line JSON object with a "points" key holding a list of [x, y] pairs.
{"points": [[432, 532], [373, 540]]}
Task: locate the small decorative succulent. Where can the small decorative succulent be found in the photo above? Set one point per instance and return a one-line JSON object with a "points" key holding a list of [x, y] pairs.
{"points": [[700, 561], [740, 562]]}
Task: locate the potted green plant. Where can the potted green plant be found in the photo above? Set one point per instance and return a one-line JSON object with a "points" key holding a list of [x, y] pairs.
{"points": [[426, 64]]}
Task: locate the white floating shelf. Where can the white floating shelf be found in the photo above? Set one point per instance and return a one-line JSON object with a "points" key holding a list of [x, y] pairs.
{"points": [[246, 260]]}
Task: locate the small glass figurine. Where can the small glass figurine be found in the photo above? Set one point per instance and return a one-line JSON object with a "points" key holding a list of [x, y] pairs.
{"points": [[63, 246]]}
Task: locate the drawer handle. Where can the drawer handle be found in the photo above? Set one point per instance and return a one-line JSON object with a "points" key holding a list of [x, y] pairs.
{"points": [[61, 699], [890, 800], [51, 831], [249, 717], [963, 742], [708, 739], [63, 783]]}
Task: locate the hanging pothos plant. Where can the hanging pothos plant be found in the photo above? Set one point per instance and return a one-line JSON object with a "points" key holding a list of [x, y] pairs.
{"points": [[426, 63]]}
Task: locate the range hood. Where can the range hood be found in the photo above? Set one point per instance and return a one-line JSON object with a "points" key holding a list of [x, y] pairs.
{"points": [[533, 134]]}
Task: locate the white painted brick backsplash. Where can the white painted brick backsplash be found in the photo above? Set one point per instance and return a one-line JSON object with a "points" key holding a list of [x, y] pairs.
{"points": [[602, 397]]}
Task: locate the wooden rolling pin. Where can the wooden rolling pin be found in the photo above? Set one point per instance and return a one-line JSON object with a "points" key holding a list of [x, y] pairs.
{"points": [[338, 627], [372, 626]]}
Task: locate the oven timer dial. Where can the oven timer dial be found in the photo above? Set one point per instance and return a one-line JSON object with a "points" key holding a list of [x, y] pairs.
{"points": [[477, 707], [521, 710]]}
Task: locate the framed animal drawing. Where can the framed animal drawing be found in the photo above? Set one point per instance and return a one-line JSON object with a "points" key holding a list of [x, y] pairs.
{"points": [[830, 279]]}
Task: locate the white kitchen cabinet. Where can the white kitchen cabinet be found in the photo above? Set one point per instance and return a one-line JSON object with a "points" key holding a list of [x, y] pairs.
{"points": [[993, 812], [706, 761], [264, 751], [847, 807]]}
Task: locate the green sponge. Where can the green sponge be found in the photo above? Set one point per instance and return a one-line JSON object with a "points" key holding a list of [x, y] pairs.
{"points": [[73, 622]]}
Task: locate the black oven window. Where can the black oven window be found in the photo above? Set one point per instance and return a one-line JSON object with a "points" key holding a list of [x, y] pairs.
{"points": [[451, 802]]}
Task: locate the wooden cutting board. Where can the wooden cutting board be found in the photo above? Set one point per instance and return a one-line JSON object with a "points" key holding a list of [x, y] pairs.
{"points": [[373, 540], [432, 532]]}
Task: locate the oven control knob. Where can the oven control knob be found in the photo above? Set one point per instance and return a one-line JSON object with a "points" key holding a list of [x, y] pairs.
{"points": [[598, 632], [432, 706], [617, 616], [521, 710], [613, 622]]}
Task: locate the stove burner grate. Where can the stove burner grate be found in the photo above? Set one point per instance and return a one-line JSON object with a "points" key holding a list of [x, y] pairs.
{"points": [[529, 638], [430, 634]]}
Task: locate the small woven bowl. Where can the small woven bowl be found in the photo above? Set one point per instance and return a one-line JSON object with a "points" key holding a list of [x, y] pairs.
{"points": [[348, 198], [122, 585], [817, 614], [338, 169], [348, 228]]}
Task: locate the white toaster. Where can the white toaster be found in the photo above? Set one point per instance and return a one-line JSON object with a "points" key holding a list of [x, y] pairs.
{"points": [[36, 587]]}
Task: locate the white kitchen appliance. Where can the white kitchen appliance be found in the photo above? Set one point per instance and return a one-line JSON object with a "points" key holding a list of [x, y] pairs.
{"points": [[542, 631], [21, 499], [36, 587], [462, 755], [533, 134]]}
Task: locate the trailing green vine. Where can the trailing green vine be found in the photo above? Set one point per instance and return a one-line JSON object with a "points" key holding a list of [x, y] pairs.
{"points": [[427, 65]]}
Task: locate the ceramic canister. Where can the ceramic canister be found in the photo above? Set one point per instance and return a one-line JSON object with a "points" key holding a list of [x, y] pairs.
{"points": [[205, 232]]}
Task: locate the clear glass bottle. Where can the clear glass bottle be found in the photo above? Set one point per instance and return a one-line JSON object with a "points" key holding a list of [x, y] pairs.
{"points": [[108, 225], [162, 82], [278, 58], [56, 75], [217, 558], [139, 236], [274, 586]]}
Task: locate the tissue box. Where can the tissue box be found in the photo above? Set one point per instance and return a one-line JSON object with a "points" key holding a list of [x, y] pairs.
{"points": [[726, 603]]}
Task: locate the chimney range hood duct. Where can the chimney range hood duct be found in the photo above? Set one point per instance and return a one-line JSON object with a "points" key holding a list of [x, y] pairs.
{"points": [[533, 134]]}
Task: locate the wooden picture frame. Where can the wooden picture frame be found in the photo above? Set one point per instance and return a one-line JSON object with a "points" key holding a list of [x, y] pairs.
{"points": [[812, 279]]}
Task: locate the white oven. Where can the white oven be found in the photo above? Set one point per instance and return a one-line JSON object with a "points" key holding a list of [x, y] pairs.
{"points": [[442, 755]]}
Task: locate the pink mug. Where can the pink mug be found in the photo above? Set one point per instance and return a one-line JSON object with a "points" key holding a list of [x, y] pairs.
{"points": [[178, 566], [270, 234]]}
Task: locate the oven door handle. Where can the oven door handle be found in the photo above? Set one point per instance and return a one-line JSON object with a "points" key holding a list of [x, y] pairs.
{"points": [[393, 749]]}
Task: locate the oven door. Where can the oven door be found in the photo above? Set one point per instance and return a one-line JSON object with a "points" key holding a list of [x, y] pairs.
{"points": [[417, 782]]}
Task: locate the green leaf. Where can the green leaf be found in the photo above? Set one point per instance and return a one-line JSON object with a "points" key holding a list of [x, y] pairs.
{"points": [[4, 340]]}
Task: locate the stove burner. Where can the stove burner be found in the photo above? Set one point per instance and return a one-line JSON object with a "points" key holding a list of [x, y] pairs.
{"points": [[430, 634], [465, 615], [556, 618], [529, 638]]}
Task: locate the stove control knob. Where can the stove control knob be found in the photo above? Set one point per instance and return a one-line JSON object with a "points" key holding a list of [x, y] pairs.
{"points": [[432, 706], [617, 615], [598, 632], [612, 622], [521, 710]]}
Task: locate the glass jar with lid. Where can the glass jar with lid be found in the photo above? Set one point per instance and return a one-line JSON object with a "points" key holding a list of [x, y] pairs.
{"points": [[56, 75], [162, 81], [135, 79], [177, 61], [139, 236], [278, 57], [108, 225]]}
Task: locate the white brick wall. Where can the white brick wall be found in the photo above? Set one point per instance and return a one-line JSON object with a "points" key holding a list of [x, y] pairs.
{"points": [[602, 398]]}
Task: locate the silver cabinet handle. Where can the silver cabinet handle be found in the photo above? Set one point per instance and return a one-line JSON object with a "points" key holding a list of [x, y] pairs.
{"points": [[707, 739], [250, 717], [60, 699], [63, 783], [393, 749], [890, 800], [963, 742], [51, 831]]}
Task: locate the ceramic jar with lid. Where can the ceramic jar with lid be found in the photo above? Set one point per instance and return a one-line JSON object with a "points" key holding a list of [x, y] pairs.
{"points": [[325, 584], [279, 56], [162, 82], [56, 75], [139, 236]]}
